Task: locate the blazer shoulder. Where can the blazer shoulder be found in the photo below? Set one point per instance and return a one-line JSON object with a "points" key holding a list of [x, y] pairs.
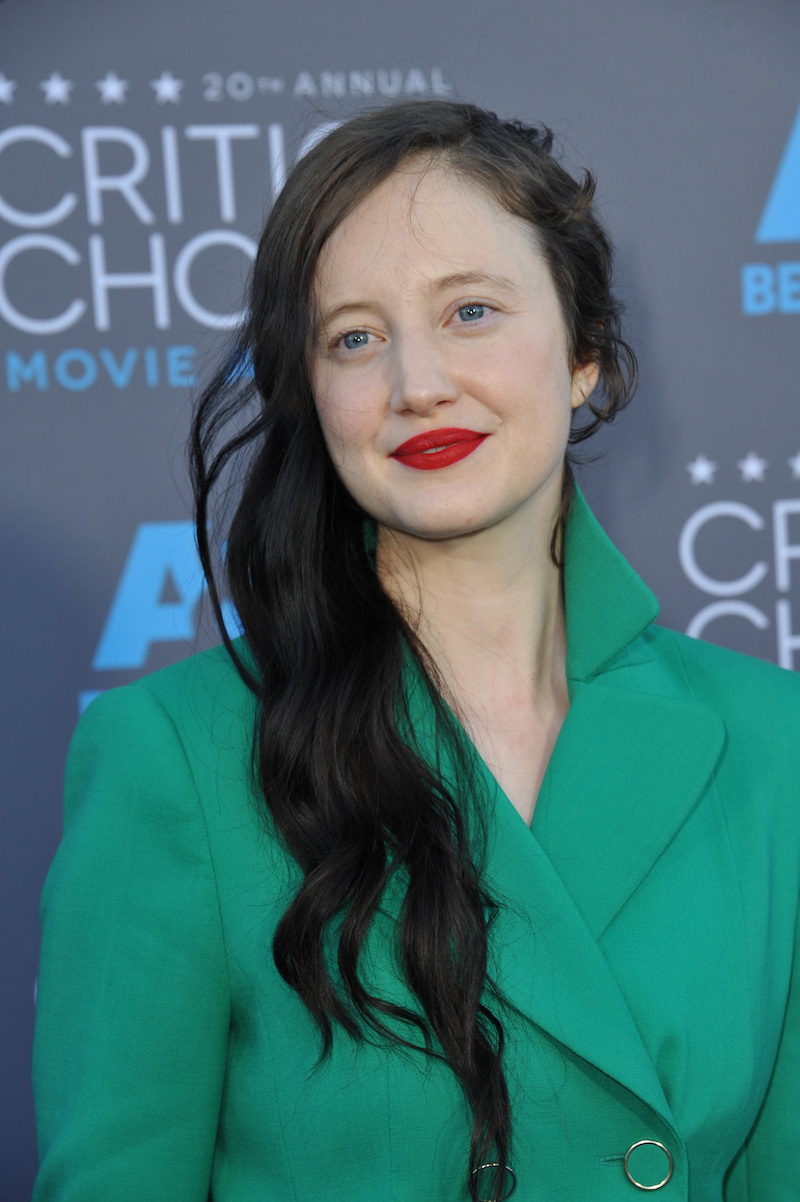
{"points": [[199, 705], [207, 675], [198, 689], [738, 687]]}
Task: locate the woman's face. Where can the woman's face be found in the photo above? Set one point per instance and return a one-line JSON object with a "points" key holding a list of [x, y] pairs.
{"points": [[441, 370]]}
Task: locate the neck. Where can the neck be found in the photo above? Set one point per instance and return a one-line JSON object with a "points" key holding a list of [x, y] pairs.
{"points": [[487, 606]]}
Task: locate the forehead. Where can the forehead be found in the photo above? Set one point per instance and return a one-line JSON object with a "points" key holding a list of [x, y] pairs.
{"points": [[424, 217]]}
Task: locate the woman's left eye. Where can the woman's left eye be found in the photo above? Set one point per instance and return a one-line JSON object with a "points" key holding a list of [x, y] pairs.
{"points": [[471, 312], [354, 340]]}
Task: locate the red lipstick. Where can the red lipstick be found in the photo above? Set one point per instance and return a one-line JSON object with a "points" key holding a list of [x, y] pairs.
{"points": [[437, 448]]}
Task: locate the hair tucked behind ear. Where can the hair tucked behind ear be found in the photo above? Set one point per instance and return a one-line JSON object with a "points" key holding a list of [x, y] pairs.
{"points": [[335, 752]]}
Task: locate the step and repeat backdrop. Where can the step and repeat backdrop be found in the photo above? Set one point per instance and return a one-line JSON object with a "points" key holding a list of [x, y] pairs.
{"points": [[140, 148]]}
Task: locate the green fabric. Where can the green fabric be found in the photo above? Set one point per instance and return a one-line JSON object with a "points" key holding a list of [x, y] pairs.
{"points": [[646, 940]]}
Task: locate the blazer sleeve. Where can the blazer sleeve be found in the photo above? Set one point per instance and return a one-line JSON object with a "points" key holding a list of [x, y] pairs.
{"points": [[133, 1007], [766, 1169]]}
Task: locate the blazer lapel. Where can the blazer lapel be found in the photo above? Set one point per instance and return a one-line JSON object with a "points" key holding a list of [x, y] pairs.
{"points": [[550, 967], [626, 772], [627, 769], [629, 765]]}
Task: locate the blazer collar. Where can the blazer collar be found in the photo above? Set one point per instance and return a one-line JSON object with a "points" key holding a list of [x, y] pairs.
{"points": [[635, 751], [607, 605]]}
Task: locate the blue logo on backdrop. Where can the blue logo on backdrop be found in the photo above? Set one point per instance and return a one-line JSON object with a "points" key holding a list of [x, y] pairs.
{"points": [[163, 557], [156, 599], [77, 369], [780, 221], [775, 287]]}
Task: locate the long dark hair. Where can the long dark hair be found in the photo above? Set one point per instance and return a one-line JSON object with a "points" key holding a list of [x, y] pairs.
{"points": [[336, 755]]}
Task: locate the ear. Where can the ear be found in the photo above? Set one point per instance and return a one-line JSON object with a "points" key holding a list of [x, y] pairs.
{"points": [[584, 382]]}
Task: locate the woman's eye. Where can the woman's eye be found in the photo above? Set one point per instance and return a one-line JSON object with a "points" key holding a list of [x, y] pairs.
{"points": [[354, 340], [471, 312]]}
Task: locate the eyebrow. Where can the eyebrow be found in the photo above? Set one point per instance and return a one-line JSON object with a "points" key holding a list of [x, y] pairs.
{"points": [[471, 277], [440, 284]]}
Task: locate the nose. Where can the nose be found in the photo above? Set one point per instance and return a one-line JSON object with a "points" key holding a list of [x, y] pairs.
{"points": [[421, 377]]}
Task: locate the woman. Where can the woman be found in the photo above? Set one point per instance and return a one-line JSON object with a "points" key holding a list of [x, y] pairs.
{"points": [[455, 875]]}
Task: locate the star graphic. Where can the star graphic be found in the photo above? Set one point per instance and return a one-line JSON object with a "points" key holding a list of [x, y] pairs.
{"points": [[166, 87], [7, 87], [752, 467], [56, 89], [112, 89], [701, 470], [794, 464]]}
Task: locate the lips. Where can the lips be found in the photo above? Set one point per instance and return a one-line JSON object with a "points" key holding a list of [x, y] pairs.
{"points": [[437, 448]]}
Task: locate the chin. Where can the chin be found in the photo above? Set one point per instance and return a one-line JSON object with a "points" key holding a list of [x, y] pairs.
{"points": [[444, 528]]}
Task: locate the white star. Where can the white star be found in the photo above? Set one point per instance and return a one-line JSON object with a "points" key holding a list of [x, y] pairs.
{"points": [[166, 87], [112, 89], [7, 87], [752, 467], [794, 464], [56, 89], [701, 470]]}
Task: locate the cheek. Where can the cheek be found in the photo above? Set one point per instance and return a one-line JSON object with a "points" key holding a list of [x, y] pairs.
{"points": [[330, 410], [537, 381], [551, 366], [347, 414], [346, 431], [328, 416]]}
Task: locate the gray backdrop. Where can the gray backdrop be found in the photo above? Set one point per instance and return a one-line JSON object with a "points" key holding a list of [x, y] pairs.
{"points": [[141, 144]]}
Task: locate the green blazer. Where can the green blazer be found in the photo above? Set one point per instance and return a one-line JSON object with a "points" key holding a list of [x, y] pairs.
{"points": [[646, 941]]}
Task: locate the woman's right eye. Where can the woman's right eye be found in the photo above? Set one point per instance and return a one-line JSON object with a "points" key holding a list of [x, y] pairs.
{"points": [[354, 340]]}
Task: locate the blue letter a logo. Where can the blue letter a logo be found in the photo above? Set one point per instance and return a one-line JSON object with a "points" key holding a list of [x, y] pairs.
{"points": [[780, 221], [162, 553]]}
